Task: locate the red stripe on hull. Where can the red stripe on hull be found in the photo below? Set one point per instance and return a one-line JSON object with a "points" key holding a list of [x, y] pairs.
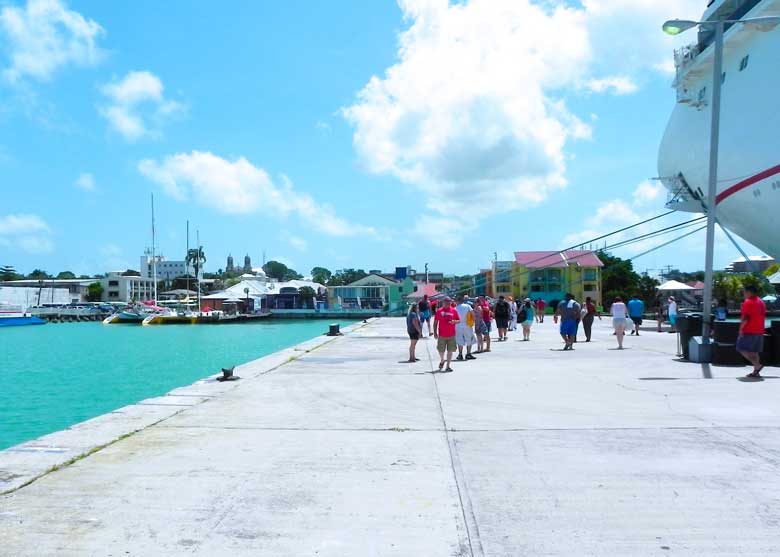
{"points": [[739, 186]]}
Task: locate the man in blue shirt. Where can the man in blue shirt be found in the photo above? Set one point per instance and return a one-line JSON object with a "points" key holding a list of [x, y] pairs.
{"points": [[636, 309]]}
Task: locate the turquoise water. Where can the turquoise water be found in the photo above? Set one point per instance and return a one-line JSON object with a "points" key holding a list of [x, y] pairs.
{"points": [[56, 375]]}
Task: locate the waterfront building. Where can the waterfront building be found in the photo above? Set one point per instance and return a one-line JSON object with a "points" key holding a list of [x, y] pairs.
{"points": [[255, 293], [77, 289], [759, 263], [483, 283], [371, 292], [121, 288], [551, 274], [166, 270], [29, 296], [502, 278]]}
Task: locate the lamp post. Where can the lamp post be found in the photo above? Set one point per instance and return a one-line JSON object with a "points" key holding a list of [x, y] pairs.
{"points": [[246, 304], [675, 27]]}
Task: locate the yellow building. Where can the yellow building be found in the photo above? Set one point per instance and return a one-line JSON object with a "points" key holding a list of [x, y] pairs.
{"points": [[551, 274]]}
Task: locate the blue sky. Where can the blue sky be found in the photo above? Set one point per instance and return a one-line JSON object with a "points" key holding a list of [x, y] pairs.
{"points": [[340, 134]]}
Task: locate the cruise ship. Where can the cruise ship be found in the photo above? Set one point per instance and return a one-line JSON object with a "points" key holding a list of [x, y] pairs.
{"points": [[748, 192]]}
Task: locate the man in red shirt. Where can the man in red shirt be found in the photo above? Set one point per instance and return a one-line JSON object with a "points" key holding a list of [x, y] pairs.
{"points": [[444, 331], [751, 330], [541, 305]]}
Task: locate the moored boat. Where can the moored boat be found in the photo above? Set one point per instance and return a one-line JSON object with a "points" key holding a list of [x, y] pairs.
{"points": [[15, 316]]}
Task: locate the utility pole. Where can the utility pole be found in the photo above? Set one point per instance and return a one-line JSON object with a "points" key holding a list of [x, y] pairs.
{"points": [[426, 273]]}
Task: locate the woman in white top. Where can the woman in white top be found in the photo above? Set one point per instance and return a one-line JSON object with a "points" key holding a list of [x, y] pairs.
{"points": [[619, 320]]}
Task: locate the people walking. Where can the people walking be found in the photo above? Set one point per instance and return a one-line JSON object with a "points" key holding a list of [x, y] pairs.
{"points": [[659, 313], [526, 316], [636, 311], [513, 307], [619, 322], [590, 311], [444, 323], [673, 314], [501, 313], [414, 328], [464, 330], [541, 306], [487, 319], [752, 326], [424, 308], [568, 311]]}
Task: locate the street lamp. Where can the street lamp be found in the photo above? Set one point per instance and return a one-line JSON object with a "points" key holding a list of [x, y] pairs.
{"points": [[675, 27]]}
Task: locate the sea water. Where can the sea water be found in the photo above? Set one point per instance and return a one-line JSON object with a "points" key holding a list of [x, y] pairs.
{"points": [[53, 376]]}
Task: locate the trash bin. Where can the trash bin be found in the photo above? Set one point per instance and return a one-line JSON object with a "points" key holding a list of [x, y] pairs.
{"points": [[775, 341], [725, 354], [726, 331]]}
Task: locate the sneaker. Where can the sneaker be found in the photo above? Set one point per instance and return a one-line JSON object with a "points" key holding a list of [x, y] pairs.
{"points": [[460, 357], [470, 357], [448, 370]]}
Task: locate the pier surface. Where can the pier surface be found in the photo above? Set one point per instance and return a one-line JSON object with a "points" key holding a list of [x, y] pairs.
{"points": [[338, 449]]}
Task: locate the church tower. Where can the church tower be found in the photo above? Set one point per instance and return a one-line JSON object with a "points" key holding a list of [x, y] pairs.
{"points": [[229, 268], [247, 264]]}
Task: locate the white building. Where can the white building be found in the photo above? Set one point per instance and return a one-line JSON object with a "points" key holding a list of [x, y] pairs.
{"points": [[166, 270], [118, 288], [29, 296]]}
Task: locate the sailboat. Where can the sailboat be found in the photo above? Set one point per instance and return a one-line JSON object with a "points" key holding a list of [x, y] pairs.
{"points": [[137, 313]]}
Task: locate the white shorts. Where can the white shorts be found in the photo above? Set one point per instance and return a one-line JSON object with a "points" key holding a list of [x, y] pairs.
{"points": [[464, 335], [619, 322]]}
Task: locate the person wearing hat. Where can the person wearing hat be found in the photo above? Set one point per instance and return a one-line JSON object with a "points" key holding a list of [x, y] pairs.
{"points": [[444, 323], [672, 314]]}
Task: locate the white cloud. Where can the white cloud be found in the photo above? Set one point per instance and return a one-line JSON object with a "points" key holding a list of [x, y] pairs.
{"points": [[298, 243], [472, 109], [44, 36], [648, 192], [29, 233], [137, 105], [239, 187], [617, 85], [86, 182]]}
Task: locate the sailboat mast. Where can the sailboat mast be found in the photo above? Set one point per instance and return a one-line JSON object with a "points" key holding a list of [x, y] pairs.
{"points": [[197, 278], [187, 265], [154, 258]]}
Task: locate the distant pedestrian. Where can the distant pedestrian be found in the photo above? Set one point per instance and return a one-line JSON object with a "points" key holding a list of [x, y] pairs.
{"points": [[526, 317], [673, 314], [444, 331], [569, 312], [659, 313], [512, 314], [750, 342], [636, 311], [589, 314], [479, 325], [425, 312], [541, 306], [619, 321], [487, 320], [464, 331], [502, 314], [722, 311], [414, 328]]}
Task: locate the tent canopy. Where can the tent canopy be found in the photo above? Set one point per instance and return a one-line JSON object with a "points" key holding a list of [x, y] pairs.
{"points": [[674, 285], [774, 278]]}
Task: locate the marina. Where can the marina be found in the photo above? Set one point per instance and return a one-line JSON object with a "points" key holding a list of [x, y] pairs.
{"points": [[56, 376], [335, 448]]}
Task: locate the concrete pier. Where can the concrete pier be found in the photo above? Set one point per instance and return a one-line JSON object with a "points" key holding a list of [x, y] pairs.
{"points": [[336, 448]]}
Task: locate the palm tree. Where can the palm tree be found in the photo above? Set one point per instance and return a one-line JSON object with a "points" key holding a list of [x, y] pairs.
{"points": [[196, 258]]}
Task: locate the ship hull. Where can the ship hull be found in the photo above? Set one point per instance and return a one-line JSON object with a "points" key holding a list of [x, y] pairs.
{"points": [[748, 192]]}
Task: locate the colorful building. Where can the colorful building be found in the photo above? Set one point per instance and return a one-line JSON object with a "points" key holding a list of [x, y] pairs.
{"points": [[483, 283], [372, 292], [551, 274]]}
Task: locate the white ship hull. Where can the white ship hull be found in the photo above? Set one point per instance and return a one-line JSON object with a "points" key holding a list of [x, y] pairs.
{"points": [[749, 155]]}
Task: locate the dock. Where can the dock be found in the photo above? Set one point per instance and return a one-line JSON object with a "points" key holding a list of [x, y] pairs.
{"points": [[336, 448]]}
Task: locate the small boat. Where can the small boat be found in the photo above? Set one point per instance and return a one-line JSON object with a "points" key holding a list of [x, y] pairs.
{"points": [[132, 315], [173, 317], [14, 316]]}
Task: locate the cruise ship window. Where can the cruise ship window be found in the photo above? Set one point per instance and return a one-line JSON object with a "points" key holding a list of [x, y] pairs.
{"points": [[744, 62]]}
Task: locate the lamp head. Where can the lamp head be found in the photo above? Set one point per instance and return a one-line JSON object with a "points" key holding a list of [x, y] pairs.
{"points": [[677, 26]]}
